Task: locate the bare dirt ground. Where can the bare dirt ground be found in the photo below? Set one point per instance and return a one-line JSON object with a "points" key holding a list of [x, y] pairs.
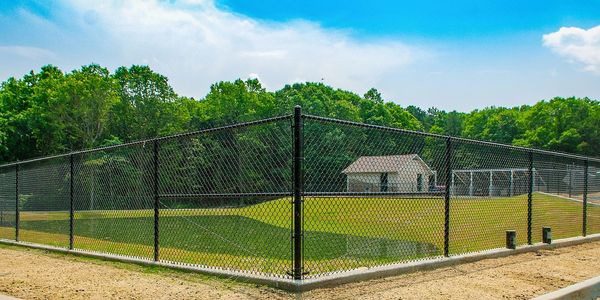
{"points": [[36, 274]]}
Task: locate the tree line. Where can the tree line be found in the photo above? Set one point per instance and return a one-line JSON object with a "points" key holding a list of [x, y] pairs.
{"points": [[50, 111]]}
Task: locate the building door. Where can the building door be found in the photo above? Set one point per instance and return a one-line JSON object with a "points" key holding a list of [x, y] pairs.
{"points": [[383, 180], [419, 182]]}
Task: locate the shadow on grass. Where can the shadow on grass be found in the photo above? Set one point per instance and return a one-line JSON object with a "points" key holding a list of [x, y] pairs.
{"points": [[235, 235]]}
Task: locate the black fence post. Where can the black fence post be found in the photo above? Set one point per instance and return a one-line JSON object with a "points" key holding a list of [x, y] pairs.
{"points": [[17, 202], [71, 208], [156, 199], [447, 197], [585, 192], [530, 199], [297, 187]]}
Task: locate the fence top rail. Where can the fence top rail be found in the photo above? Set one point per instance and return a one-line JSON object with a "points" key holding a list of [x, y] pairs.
{"points": [[141, 142], [458, 139]]}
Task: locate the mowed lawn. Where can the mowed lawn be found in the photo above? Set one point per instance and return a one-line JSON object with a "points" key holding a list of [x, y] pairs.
{"points": [[340, 233]]}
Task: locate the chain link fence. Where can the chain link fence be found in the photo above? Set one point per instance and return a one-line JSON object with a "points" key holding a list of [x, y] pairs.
{"points": [[298, 196]]}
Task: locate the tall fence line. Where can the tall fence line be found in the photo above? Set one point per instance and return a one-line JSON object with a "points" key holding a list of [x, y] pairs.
{"points": [[298, 196]]}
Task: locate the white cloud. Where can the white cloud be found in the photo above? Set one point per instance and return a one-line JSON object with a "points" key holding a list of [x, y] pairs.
{"points": [[578, 45], [195, 44], [30, 53]]}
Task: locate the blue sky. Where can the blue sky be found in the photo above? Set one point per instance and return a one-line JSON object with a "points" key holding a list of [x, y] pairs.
{"points": [[445, 20], [453, 55]]}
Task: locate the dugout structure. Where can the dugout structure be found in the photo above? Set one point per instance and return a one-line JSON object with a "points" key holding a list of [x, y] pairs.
{"points": [[556, 179], [494, 182]]}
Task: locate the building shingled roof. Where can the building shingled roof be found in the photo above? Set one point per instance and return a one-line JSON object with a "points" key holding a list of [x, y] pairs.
{"points": [[381, 164]]}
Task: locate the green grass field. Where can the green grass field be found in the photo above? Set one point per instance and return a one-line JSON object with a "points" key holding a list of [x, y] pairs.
{"points": [[340, 233]]}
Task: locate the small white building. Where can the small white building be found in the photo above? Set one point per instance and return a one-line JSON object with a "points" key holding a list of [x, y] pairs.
{"points": [[391, 173]]}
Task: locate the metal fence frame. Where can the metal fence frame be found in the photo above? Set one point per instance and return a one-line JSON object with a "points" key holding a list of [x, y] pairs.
{"points": [[297, 192]]}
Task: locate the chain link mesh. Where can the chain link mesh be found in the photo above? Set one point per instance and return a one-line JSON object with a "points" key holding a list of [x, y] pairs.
{"points": [[7, 202], [44, 202], [593, 198], [371, 196], [488, 191], [225, 198], [557, 196], [113, 201]]}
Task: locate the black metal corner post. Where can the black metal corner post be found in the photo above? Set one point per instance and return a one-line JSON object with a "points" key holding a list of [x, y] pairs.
{"points": [[447, 197], [297, 187], [156, 199], [530, 198], [585, 192], [71, 204], [17, 202]]}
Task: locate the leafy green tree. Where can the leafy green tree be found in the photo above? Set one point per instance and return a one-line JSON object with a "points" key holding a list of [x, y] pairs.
{"points": [[373, 95], [146, 107], [559, 124], [80, 108], [421, 116], [49, 112], [27, 128], [234, 102], [454, 123], [493, 124], [319, 99]]}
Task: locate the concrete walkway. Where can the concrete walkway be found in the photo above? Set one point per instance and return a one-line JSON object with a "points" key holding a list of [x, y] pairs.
{"points": [[588, 289]]}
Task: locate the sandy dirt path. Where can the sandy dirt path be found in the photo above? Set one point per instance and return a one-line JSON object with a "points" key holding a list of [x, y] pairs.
{"points": [[36, 274], [520, 276]]}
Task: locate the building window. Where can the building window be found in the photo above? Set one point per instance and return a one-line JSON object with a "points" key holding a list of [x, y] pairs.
{"points": [[383, 179]]}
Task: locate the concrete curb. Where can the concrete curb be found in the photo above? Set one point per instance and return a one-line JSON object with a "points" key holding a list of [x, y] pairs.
{"points": [[328, 280], [589, 289], [397, 269]]}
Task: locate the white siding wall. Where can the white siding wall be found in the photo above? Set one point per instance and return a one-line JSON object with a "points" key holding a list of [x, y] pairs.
{"points": [[364, 182], [405, 181]]}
